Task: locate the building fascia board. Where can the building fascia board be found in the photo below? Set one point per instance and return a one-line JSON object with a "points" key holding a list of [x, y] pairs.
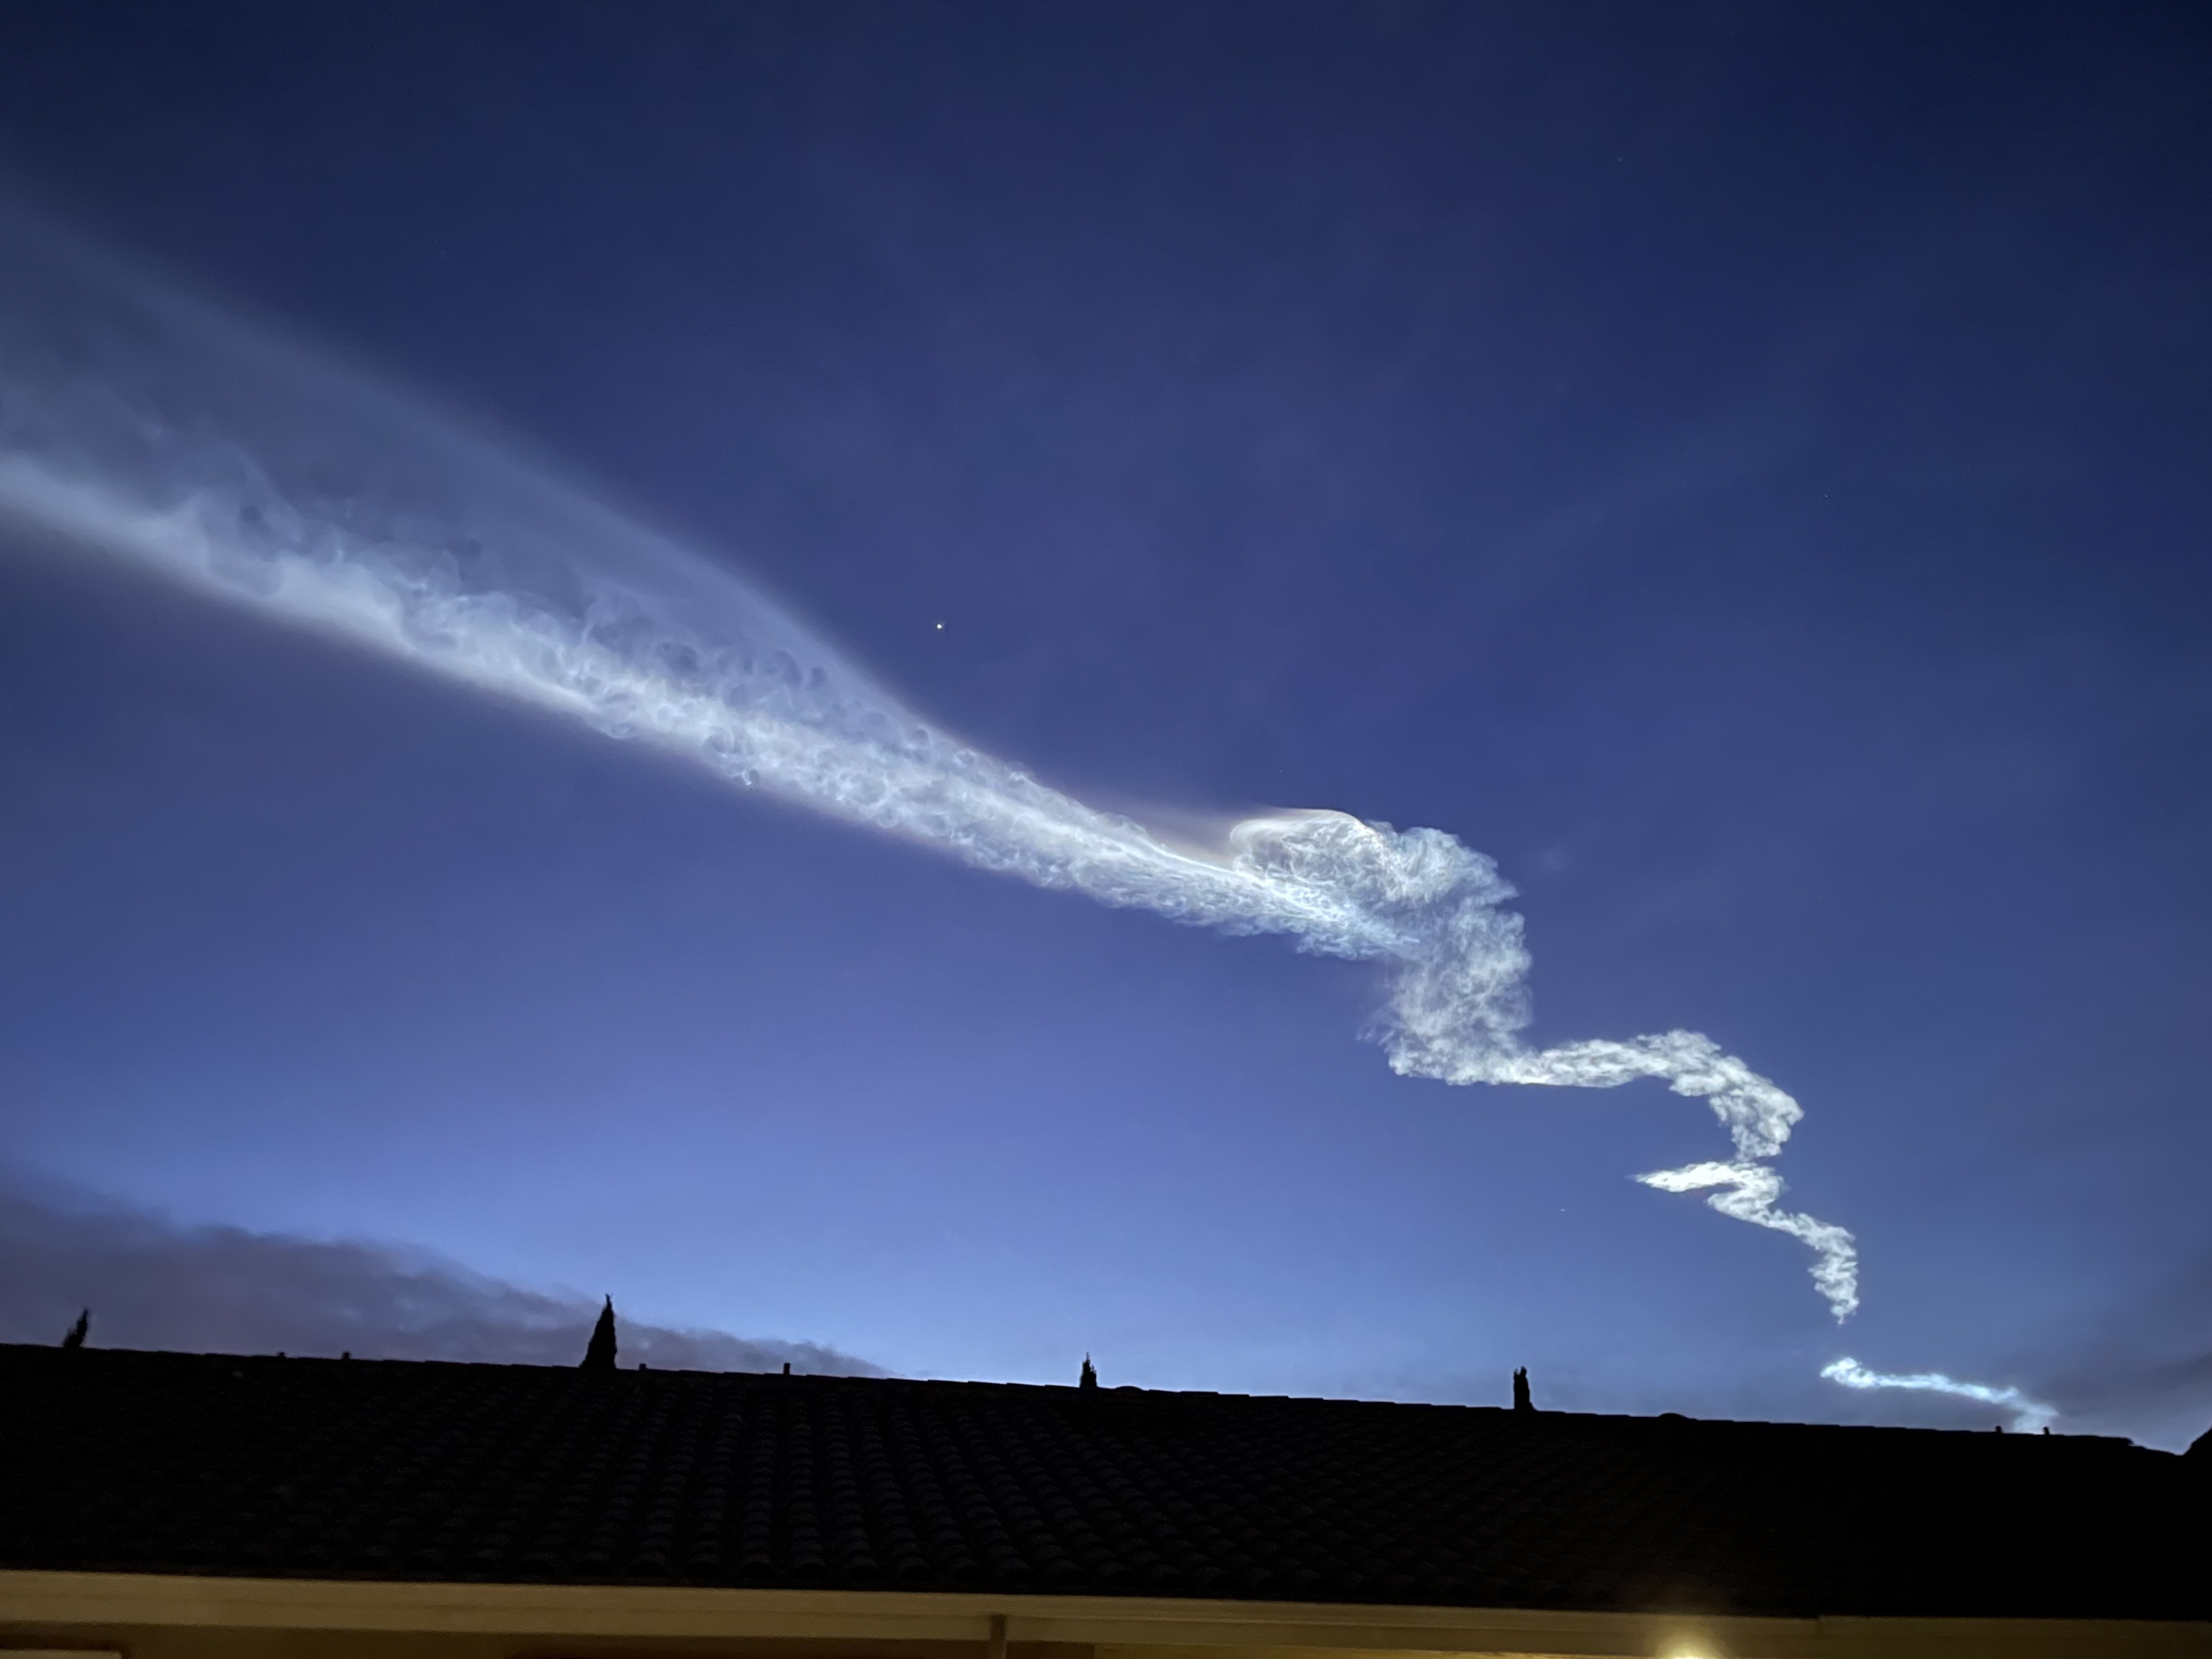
{"points": [[1119, 1628]]}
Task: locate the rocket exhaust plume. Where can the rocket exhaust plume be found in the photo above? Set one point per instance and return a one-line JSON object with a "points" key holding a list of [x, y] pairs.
{"points": [[204, 452], [2028, 1415], [207, 453]]}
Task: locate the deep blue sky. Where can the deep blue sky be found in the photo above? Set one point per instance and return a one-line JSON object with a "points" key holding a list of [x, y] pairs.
{"points": [[1744, 467]]}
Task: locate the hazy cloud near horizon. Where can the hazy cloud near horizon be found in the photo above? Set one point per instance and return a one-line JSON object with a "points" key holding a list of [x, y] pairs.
{"points": [[155, 1283], [2145, 1369]]}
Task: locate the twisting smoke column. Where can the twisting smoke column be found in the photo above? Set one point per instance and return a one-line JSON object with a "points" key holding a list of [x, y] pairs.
{"points": [[2028, 1415], [202, 452]]}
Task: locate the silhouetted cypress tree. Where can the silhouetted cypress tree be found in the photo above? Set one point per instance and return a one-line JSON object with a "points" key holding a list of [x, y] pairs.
{"points": [[1522, 1401], [599, 1356], [75, 1337], [1088, 1379]]}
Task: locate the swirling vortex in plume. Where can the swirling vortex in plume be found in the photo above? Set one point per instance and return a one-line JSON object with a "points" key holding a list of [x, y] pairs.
{"points": [[205, 452]]}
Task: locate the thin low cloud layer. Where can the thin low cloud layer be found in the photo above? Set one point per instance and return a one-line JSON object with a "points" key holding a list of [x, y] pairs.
{"points": [[2144, 1368], [153, 1283]]}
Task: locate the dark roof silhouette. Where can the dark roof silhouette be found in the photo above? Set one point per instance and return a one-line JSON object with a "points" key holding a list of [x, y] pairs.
{"points": [[157, 1462]]}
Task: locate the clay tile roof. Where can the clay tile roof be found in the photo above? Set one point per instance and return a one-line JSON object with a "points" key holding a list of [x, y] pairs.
{"points": [[157, 1462]]}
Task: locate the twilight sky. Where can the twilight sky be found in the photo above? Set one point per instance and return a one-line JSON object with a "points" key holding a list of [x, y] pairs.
{"points": [[1747, 473]]}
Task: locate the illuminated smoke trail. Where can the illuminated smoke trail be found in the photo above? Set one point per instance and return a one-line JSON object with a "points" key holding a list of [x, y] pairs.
{"points": [[2028, 1415], [204, 452]]}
